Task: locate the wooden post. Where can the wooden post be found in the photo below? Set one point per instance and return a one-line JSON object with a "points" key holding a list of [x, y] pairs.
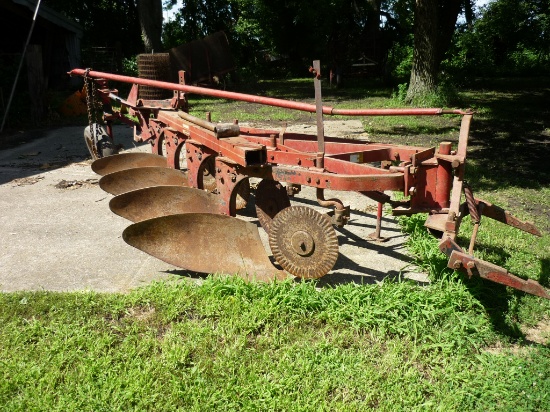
{"points": [[37, 82]]}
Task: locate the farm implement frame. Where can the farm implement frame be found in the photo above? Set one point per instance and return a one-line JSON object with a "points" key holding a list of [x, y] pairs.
{"points": [[183, 197]]}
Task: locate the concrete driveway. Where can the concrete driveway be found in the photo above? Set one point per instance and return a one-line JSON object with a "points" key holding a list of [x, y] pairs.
{"points": [[57, 232]]}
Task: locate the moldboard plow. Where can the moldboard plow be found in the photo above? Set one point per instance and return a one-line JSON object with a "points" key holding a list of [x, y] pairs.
{"points": [[183, 197]]}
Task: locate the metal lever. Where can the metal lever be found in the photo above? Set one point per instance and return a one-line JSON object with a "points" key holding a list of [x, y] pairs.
{"points": [[316, 70]]}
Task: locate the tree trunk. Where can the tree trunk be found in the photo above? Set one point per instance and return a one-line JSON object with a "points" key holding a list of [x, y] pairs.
{"points": [[150, 19], [424, 69], [446, 22]]}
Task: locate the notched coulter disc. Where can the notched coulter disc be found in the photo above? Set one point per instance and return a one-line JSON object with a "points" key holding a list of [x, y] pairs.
{"points": [[303, 242]]}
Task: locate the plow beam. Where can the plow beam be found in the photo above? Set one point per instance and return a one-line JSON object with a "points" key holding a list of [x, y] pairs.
{"points": [[459, 260]]}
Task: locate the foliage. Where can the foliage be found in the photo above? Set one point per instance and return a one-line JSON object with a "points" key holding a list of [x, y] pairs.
{"points": [[290, 33], [129, 66], [282, 38], [509, 38]]}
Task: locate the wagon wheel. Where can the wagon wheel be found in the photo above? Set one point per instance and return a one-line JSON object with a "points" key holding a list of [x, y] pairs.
{"points": [[271, 198], [303, 242]]}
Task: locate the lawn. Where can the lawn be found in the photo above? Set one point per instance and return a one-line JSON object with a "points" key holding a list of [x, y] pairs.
{"points": [[223, 344]]}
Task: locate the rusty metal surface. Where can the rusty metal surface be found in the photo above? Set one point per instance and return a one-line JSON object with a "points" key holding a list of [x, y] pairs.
{"points": [[303, 242], [458, 260], [271, 198], [495, 274], [497, 213], [220, 130], [205, 243], [319, 114], [150, 202], [154, 66], [123, 161], [141, 177]]}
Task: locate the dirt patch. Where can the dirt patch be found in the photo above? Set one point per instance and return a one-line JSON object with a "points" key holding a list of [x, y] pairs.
{"points": [[76, 184], [26, 181], [141, 313], [535, 335], [540, 333]]}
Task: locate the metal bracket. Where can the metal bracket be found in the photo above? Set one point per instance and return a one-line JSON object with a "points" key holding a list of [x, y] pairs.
{"points": [[458, 260]]}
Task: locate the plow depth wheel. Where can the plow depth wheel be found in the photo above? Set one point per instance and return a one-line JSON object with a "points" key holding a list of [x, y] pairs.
{"points": [[303, 242]]}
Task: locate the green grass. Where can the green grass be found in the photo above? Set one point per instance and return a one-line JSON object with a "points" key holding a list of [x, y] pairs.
{"points": [[231, 345]]}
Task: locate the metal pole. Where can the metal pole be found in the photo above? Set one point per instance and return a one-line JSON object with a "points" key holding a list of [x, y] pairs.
{"points": [[270, 101], [320, 160], [20, 65]]}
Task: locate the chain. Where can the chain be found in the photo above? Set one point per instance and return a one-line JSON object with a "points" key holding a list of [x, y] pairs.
{"points": [[470, 201], [91, 106], [90, 98]]}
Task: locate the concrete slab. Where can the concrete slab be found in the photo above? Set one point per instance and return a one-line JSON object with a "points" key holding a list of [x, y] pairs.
{"points": [[57, 232]]}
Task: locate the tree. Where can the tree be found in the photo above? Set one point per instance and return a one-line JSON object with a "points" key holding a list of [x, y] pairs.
{"points": [[150, 20], [424, 69], [293, 31], [434, 25]]}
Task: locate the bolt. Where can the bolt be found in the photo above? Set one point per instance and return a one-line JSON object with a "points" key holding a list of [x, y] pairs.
{"points": [[457, 265], [308, 180], [412, 191], [470, 264]]}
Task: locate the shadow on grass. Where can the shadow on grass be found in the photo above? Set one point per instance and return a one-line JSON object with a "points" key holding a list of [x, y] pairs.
{"points": [[510, 143], [544, 277], [497, 301]]}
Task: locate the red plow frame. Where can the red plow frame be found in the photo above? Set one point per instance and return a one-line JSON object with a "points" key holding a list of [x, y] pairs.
{"points": [[431, 179]]}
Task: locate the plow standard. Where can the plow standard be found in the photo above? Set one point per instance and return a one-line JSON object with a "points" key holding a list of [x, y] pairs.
{"points": [[182, 198]]}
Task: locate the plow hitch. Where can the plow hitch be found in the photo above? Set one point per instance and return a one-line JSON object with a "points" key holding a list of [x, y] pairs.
{"points": [[182, 199]]}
